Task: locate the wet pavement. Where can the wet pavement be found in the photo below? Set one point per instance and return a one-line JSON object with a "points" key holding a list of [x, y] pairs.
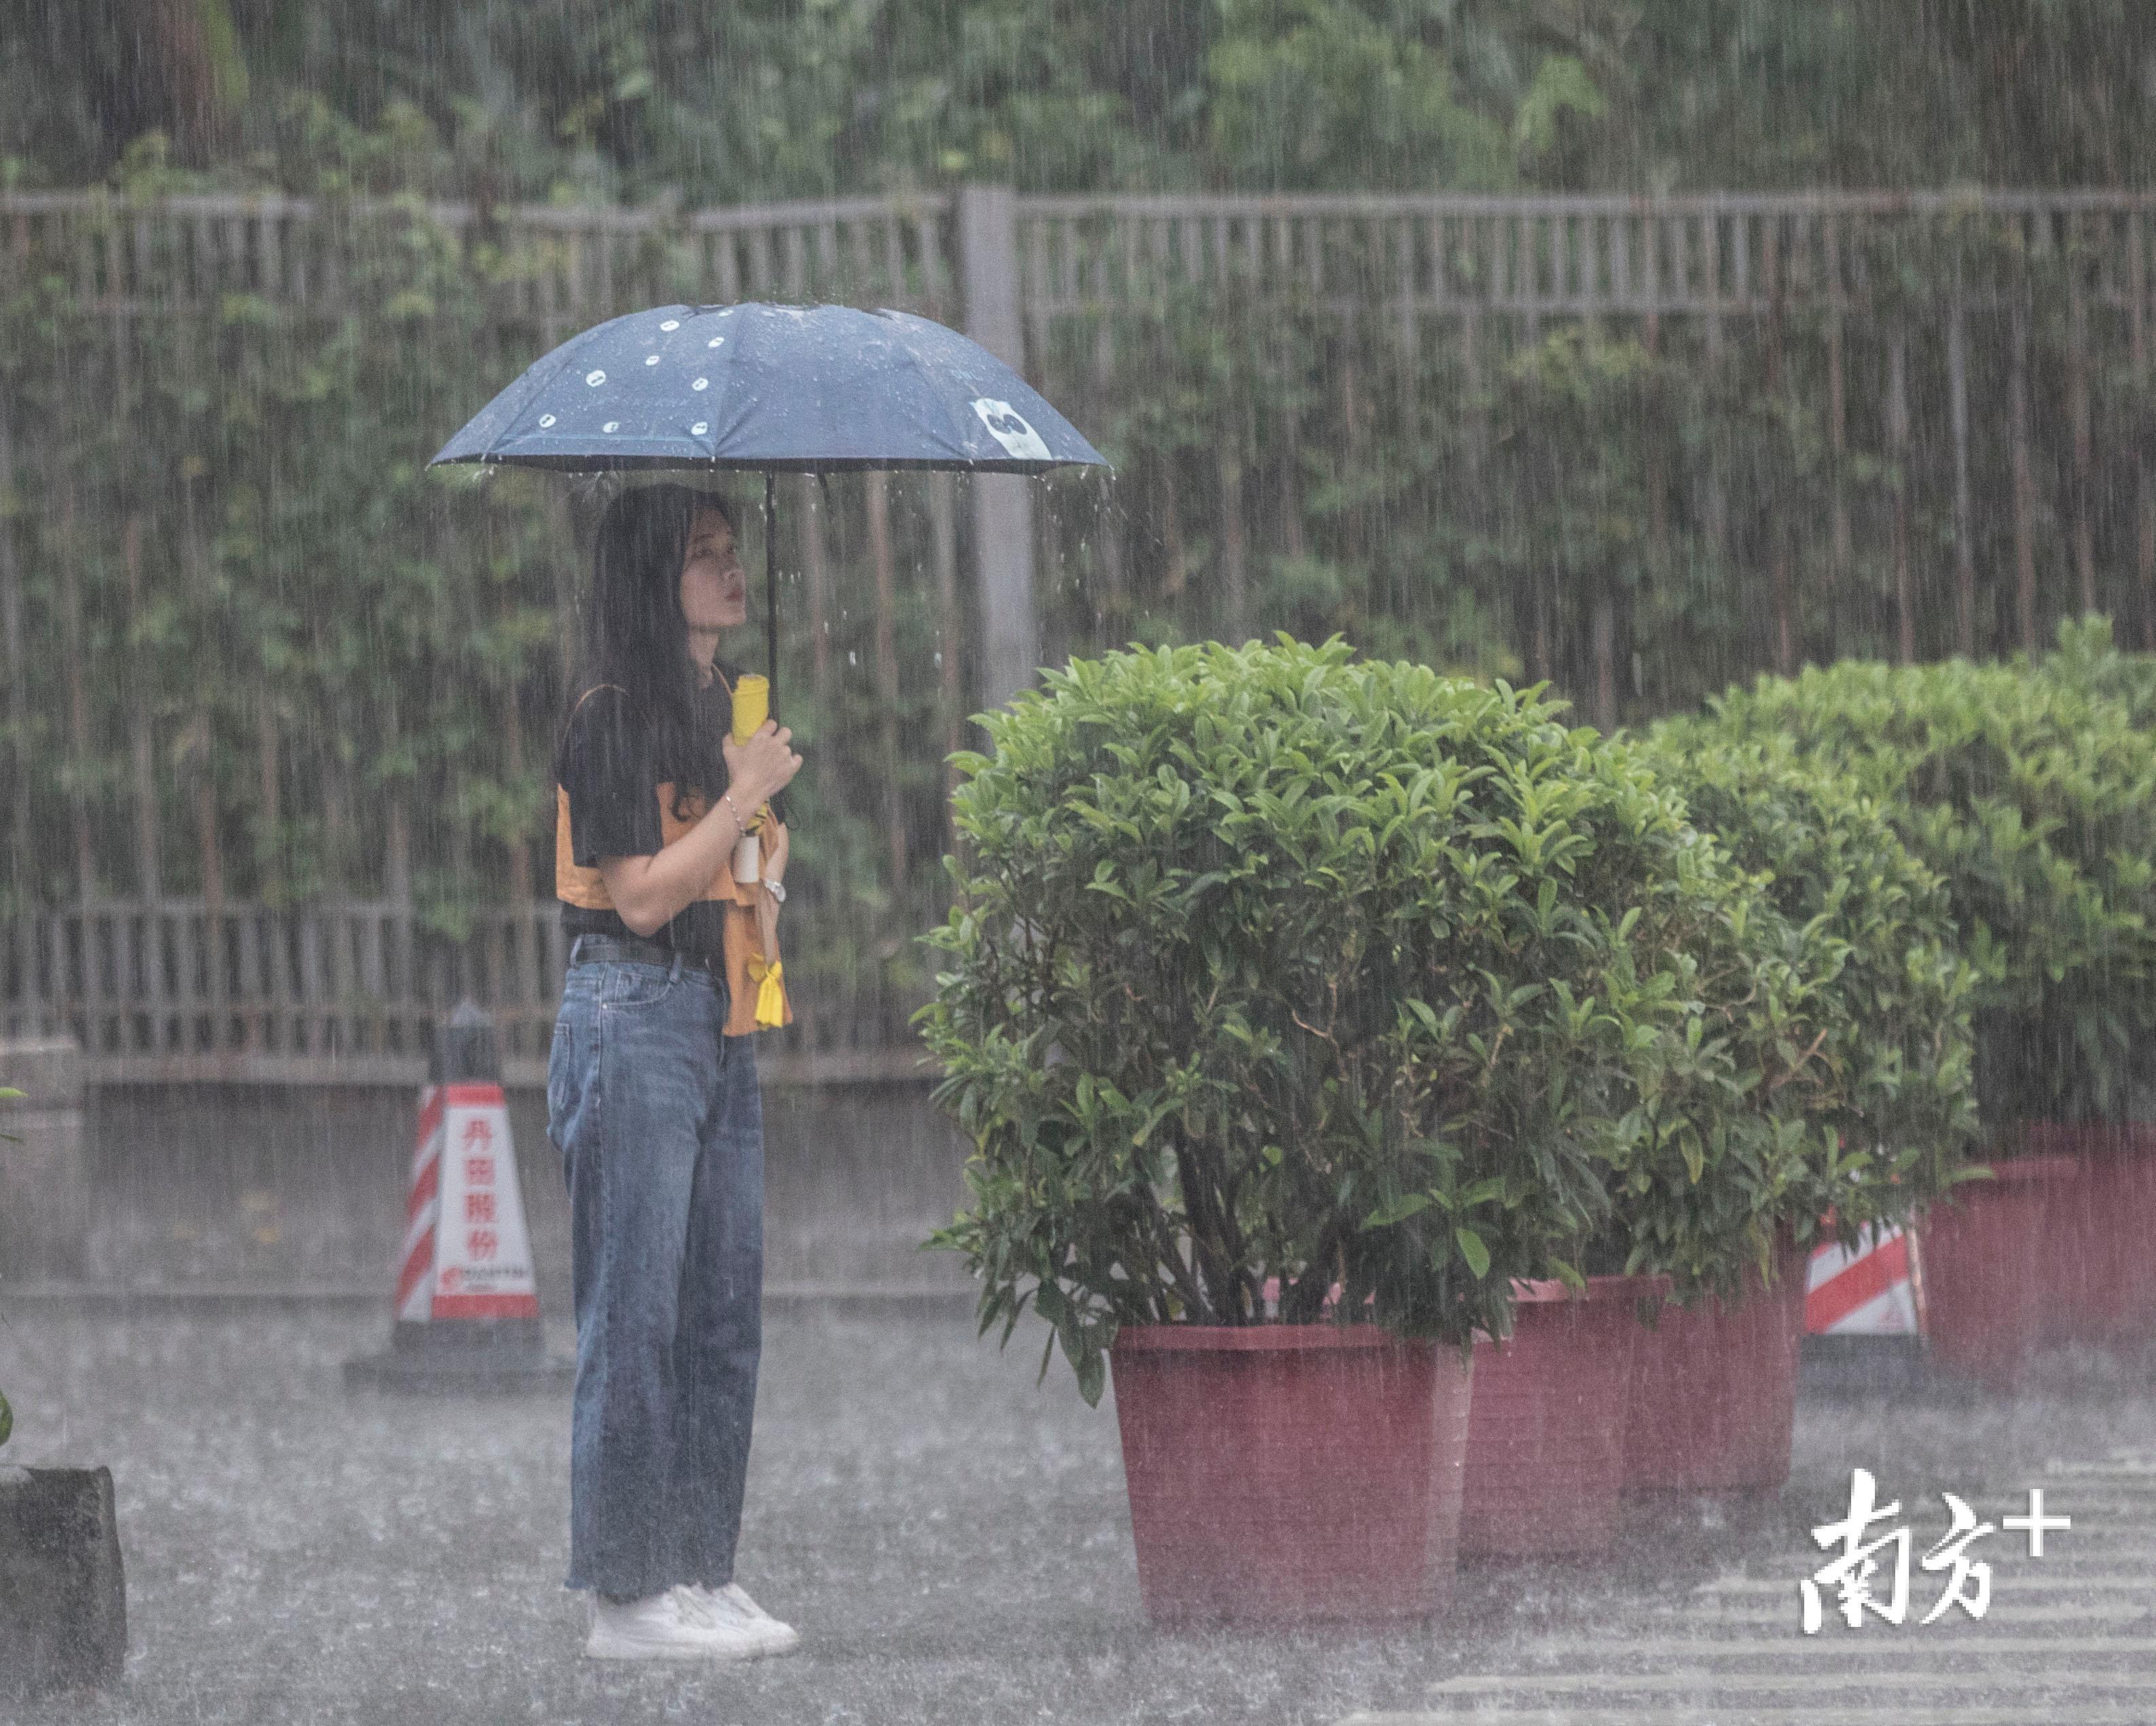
{"points": [[954, 1546]]}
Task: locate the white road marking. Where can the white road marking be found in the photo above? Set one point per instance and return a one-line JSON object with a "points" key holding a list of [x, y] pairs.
{"points": [[1885, 1675], [2117, 1611], [1701, 1678], [1889, 1641], [2122, 1581], [1893, 1714]]}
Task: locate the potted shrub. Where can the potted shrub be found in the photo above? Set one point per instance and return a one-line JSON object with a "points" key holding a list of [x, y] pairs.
{"points": [[2033, 795], [2103, 1288], [62, 1601], [1886, 1030], [1706, 1397], [1266, 965]]}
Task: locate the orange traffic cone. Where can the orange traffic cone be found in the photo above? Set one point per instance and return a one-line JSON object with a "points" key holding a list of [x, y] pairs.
{"points": [[466, 1307]]}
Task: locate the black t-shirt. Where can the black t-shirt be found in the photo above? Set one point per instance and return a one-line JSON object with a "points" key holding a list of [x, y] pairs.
{"points": [[608, 763]]}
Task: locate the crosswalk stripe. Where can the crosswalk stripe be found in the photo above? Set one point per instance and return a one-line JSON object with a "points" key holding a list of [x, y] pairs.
{"points": [[1701, 1678], [1823, 1647], [2101, 1714], [2057, 1643], [2013, 1613], [2121, 1581]]}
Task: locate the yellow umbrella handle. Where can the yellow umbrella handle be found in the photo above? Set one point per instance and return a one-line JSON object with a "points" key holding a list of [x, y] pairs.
{"points": [[752, 698], [751, 706]]}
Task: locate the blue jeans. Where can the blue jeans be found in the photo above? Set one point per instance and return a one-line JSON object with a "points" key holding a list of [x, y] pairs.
{"points": [[659, 1126]]}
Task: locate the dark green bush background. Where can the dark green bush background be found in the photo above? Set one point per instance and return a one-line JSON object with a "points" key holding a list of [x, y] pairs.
{"points": [[351, 671]]}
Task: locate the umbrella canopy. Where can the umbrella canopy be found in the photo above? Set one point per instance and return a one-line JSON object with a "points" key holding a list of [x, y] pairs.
{"points": [[785, 389]]}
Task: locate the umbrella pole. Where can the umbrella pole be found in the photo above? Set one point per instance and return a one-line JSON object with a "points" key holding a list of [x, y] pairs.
{"points": [[771, 583]]}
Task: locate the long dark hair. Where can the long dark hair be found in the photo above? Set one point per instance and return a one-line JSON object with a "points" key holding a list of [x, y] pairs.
{"points": [[635, 635]]}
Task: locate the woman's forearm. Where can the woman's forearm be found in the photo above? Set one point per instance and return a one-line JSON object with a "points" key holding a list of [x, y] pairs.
{"points": [[649, 893]]}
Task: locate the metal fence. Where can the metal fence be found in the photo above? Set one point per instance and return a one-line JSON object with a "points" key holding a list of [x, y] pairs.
{"points": [[163, 987], [348, 993]]}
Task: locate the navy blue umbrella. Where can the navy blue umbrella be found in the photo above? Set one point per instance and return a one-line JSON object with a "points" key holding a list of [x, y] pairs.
{"points": [[785, 389]]}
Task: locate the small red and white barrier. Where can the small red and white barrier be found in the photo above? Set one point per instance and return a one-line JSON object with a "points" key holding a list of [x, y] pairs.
{"points": [[466, 1253], [465, 1314], [1874, 1290]]}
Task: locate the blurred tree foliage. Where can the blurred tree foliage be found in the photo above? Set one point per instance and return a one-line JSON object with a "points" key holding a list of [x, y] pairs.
{"points": [[645, 99]]}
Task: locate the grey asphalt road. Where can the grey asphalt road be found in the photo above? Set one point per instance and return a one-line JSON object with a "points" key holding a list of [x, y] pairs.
{"points": [[952, 1543]]}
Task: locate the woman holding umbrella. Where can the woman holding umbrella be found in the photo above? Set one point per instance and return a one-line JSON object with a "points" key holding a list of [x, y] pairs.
{"points": [[652, 1086], [651, 1089]]}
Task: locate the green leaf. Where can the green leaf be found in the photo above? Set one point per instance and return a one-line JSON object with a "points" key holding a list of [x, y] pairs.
{"points": [[1472, 1250], [1092, 1376], [1399, 1210]]}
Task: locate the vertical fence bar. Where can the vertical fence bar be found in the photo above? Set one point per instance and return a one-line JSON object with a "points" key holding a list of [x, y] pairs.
{"points": [[952, 651], [141, 750], [94, 998], [79, 737], [1003, 504], [1898, 446], [126, 979], [794, 250], [2024, 479], [1963, 527], [18, 692], [1036, 291], [809, 514], [896, 290], [1840, 552], [2144, 480], [247, 1004], [1780, 530], [373, 979], [883, 565], [313, 1016], [2077, 423]]}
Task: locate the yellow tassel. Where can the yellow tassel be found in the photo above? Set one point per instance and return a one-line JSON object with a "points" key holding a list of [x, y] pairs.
{"points": [[771, 997]]}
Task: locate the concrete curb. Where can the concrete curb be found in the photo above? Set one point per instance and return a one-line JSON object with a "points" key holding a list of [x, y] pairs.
{"points": [[891, 1299]]}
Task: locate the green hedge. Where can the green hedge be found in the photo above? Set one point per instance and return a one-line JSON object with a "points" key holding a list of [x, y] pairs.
{"points": [[2031, 791], [1354, 975], [1874, 924]]}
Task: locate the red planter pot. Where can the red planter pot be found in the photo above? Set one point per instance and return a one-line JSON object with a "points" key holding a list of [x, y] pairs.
{"points": [[1986, 1282], [2101, 1233], [1546, 1441], [1713, 1396], [1280, 1474]]}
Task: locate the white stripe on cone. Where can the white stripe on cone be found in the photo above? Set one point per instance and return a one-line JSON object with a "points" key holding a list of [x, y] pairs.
{"points": [[1870, 1292], [466, 1253]]}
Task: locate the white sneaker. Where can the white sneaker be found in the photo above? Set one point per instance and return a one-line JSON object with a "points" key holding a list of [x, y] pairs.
{"points": [[731, 1608], [667, 1626]]}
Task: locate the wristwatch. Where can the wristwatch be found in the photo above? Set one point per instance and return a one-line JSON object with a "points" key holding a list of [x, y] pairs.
{"points": [[778, 889]]}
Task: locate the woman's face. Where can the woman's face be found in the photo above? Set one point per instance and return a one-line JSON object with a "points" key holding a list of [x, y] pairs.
{"points": [[714, 586]]}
